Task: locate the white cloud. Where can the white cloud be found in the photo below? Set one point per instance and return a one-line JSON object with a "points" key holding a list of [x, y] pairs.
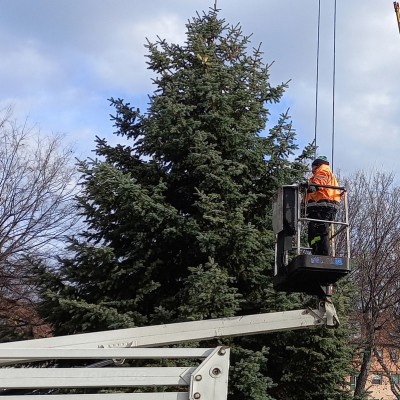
{"points": [[26, 68], [123, 65]]}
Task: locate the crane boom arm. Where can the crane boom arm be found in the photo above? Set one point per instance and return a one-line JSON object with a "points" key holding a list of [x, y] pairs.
{"points": [[397, 10]]}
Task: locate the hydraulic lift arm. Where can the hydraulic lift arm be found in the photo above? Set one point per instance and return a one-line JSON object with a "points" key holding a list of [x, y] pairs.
{"points": [[161, 335], [209, 380]]}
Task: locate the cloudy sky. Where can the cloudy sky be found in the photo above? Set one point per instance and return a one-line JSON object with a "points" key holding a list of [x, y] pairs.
{"points": [[62, 59]]}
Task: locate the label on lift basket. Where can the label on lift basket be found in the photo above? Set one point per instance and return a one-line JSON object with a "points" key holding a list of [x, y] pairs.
{"points": [[327, 260]]}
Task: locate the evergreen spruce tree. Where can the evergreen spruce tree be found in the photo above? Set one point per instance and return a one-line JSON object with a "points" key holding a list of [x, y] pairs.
{"points": [[312, 364], [179, 220]]}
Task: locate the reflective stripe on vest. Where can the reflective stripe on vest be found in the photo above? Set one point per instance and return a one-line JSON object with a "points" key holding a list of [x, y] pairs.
{"points": [[316, 239]]}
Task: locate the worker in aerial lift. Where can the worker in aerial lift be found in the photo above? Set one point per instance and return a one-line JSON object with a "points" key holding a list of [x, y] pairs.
{"points": [[322, 204]]}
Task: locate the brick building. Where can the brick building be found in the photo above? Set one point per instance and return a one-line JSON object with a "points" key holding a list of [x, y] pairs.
{"points": [[385, 368]]}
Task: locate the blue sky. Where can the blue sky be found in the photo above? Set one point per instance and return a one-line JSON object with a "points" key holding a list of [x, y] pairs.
{"points": [[62, 59]]}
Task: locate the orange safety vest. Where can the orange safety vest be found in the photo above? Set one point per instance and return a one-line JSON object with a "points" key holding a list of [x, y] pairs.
{"points": [[324, 176]]}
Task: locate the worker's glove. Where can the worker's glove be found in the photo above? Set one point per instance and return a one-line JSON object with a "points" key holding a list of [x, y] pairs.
{"points": [[303, 186], [312, 188]]}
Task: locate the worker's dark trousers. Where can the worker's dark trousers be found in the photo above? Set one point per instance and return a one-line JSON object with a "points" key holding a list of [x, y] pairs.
{"points": [[318, 232]]}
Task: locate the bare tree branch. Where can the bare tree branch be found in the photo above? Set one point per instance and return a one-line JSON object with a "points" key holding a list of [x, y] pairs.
{"points": [[374, 203], [38, 183]]}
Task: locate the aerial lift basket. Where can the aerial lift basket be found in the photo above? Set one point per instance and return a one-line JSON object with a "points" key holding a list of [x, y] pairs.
{"points": [[296, 269]]}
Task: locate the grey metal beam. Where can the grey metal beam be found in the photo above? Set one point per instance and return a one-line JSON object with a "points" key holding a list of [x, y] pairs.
{"points": [[159, 335], [108, 396], [54, 378], [107, 353]]}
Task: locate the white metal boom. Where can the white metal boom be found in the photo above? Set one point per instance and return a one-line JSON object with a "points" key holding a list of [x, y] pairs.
{"points": [[207, 381]]}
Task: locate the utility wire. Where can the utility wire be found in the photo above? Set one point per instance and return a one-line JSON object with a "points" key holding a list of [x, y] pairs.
{"points": [[333, 85], [317, 81]]}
